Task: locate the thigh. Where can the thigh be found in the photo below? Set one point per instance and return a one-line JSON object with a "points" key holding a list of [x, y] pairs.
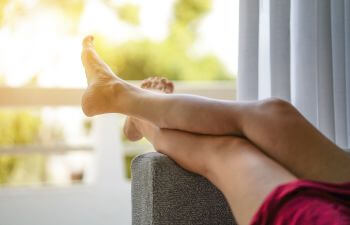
{"points": [[246, 176], [239, 169]]}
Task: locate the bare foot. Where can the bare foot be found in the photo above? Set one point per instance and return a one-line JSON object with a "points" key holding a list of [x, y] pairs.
{"points": [[106, 93], [157, 84]]}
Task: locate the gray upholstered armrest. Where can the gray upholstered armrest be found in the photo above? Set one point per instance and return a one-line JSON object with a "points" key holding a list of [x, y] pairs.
{"points": [[165, 194]]}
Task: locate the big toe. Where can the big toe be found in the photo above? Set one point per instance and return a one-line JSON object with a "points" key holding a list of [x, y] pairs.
{"points": [[88, 41], [92, 62], [88, 54]]}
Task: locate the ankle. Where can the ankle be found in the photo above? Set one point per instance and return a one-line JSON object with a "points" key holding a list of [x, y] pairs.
{"points": [[122, 97]]}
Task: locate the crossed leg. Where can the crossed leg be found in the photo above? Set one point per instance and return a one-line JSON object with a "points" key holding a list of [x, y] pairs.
{"points": [[236, 167], [274, 126]]}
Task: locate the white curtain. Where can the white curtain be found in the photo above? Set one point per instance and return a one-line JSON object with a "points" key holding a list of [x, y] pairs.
{"points": [[299, 50]]}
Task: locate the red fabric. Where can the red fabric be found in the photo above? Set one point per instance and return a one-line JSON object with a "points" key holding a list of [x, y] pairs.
{"points": [[304, 202]]}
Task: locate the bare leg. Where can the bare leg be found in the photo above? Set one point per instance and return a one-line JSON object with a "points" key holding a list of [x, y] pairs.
{"points": [[107, 94], [240, 170], [157, 84], [274, 126]]}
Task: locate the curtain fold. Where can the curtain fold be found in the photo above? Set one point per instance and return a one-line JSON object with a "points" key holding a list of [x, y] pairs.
{"points": [[347, 64], [299, 51], [339, 86], [274, 49], [248, 50]]}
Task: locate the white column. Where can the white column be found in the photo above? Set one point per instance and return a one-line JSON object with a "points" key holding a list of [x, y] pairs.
{"points": [[247, 81], [108, 147], [339, 81]]}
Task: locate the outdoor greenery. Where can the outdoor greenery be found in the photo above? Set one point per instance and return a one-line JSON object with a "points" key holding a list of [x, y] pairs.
{"points": [[172, 57], [20, 128]]}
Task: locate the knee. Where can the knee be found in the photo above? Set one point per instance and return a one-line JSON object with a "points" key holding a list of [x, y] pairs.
{"points": [[276, 107]]}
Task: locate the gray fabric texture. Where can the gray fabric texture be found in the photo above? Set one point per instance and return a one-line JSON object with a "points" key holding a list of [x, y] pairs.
{"points": [[165, 194]]}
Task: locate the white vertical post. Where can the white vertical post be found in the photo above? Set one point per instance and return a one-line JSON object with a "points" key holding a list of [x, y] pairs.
{"points": [[108, 146]]}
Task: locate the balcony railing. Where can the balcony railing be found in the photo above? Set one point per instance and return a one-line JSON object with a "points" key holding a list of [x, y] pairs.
{"points": [[107, 201], [56, 97], [28, 96]]}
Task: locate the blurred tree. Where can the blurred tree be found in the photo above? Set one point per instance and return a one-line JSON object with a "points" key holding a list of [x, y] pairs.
{"points": [[72, 9], [187, 15], [139, 59], [129, 13], [134, 60], [3, 4], [189, 11], [20, 128]]}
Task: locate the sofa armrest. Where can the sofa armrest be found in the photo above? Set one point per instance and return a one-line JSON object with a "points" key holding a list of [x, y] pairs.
{"points": [[164, 193]]}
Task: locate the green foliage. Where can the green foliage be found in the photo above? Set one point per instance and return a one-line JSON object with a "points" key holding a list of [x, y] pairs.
{"points": [[133, 60], [139, 59], [71, 8], [136, 60], [188, 11], [7, 166], [22, 169], [3, 4], [20, 128], [129, 13], [127, 163]]}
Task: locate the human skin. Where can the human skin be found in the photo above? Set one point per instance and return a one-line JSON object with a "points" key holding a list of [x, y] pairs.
{"points": [[245, 148]]}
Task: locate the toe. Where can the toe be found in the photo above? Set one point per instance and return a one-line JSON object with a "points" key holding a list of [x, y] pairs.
{"points": [[92, 62], [163, 81], [88, 52], [146, 83], [155, 84], [169, 87], [87, 42], [143, 83]]}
